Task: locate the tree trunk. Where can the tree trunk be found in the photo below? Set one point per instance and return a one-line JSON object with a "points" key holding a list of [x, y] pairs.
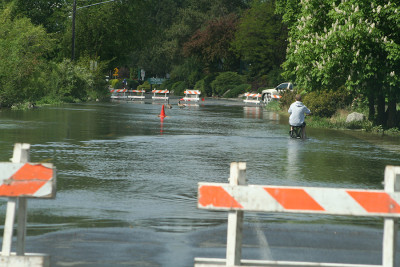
{"points": [[391, 112], [381, 116], [371, 107]]}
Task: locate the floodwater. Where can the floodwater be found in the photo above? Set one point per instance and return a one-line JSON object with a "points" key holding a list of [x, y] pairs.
{"points": [[127, 180]]}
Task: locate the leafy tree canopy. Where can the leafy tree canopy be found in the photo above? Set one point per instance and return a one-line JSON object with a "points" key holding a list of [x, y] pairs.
{"points": [[261, 39], [348, 42]]}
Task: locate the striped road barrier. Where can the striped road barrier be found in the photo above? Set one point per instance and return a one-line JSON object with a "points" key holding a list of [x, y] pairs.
{"points": [[160, 94], [191, 95], [237, 197], [252, 98], [20, 180]]}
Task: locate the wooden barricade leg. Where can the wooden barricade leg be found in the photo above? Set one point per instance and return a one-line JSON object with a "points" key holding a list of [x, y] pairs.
{"points": [[9, 226], [235, 218], [20, 154], [392, 184], [21, 230]]}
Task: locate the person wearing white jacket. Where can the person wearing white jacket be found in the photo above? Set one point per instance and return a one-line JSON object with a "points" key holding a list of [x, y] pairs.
{"points": [[297, 111]]}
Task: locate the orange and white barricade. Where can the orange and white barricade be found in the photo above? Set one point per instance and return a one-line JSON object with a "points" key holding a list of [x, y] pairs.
{"points": [[136, 94], [276, 96], [268, 97], [20, 180], [160, 94], [119, 93], [252, 98], [237, 197], [192, 95]]}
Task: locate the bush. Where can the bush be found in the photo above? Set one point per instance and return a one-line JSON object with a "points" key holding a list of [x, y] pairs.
{"points": [[167, 84], [225, 81], [146, 86], [204, 85], [114, 83], [325, 103], [237, 90], [288, 97], [179, 88], [132, 83], [70, 82]]}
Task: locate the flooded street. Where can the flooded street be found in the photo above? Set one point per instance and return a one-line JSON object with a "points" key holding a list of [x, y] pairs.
{"points": [[127, 180]]}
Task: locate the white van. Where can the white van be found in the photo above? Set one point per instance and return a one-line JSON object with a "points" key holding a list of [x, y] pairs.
{"points": [[274, 93]]}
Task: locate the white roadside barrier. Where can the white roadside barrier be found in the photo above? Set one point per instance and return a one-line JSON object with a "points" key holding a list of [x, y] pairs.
{"points": [[192, 95], [160, 95], [20, 180], [237, 197], [254, 98]]}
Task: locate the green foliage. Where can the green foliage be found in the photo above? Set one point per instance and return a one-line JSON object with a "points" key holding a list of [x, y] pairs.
{"points": [[167, 84], [352, 43], [204, 85], [132, 83], [189, 71], [145, 86], [237, 90], [119, 83], [179, 88], [226, 81], [325, 103], [49, 13], [288, 97], [114, 83], [70, 82], [261, 41], [211, 44], [191, 21], [273, 106], [23, 48], [93, 70]]}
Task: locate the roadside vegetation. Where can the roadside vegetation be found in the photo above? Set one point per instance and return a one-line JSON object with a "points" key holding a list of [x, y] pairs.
{"points": [[343, 55], [330, 110]]}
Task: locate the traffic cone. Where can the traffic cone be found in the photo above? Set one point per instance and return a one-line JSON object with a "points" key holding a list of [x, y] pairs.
{"points": [[162, 114]]}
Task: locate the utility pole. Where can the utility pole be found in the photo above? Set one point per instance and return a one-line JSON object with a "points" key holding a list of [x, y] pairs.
{"points": [[73, 23], [73, 31]]}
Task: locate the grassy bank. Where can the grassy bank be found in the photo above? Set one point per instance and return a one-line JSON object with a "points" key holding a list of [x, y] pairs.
{"points": [[338, 121]]}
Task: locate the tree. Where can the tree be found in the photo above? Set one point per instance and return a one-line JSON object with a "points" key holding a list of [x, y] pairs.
{"points": [[261, 39], [23, 48], [48, 13], [211, 44], [193, 16], [349, 43], [226, 81]]}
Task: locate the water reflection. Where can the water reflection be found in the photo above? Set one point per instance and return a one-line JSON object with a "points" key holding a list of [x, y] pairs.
{"points": [[255, 112], [273, 117], [294, 162]]}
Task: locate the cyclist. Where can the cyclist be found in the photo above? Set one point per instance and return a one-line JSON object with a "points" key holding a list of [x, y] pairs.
{"points": [[297, 111]]}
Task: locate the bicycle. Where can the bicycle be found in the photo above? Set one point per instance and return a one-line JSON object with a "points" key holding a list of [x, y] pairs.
{"points": [[297, 132]]}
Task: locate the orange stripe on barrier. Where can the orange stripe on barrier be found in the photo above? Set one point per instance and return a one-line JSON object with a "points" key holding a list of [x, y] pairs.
{"points": [[294, 199], [26, 181], [29, 172], [376, 202], [216, 196]]}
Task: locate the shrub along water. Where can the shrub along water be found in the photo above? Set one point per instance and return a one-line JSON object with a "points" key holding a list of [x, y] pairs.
{"points": [[330, 109]]}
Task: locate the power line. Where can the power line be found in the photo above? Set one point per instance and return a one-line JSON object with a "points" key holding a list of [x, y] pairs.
{"points": [[96, 4]]}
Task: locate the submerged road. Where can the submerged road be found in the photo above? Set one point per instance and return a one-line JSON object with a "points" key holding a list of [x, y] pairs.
{"points": [[101, 247], [127, 183]]}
